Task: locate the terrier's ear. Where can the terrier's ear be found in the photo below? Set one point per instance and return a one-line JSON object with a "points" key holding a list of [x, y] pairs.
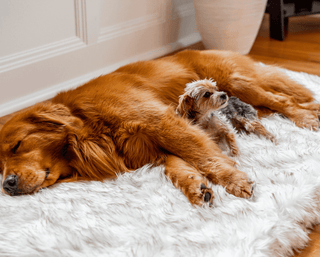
{"points": [[186, 106]]}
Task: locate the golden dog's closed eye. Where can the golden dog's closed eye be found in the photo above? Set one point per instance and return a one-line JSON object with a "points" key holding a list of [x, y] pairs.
{"points": [[47, 173], [15, 148]]}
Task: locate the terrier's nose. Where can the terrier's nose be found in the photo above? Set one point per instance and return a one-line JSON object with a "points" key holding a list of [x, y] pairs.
{"points": [[10, 184], [223, 96]]}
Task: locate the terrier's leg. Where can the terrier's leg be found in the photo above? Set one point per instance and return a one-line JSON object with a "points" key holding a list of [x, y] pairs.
{"points": [[232, 144], [254, 126]]}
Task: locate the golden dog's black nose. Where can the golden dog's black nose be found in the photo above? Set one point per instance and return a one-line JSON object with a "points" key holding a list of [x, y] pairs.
{"points": [[10, 184]]}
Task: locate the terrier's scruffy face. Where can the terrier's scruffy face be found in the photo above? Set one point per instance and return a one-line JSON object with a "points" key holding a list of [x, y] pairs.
{"points": [[201, 96]]}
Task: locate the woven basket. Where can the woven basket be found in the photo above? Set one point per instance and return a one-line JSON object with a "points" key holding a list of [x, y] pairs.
{"points": [[229, 24]]}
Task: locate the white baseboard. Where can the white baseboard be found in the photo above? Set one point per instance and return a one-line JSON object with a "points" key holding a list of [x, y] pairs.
{"points": [[45, 94]]}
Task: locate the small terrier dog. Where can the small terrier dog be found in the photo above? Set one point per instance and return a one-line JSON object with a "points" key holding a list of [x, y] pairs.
{"points": [[219, 115]]}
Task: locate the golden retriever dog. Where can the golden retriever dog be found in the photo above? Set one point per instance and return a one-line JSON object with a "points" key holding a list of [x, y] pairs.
{"points": [[126, 119], [217, 114]]}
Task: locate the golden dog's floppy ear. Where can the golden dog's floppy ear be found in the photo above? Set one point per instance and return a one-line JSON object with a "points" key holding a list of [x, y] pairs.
{"points": [[94, 156], [52, 116], [186, 106]]}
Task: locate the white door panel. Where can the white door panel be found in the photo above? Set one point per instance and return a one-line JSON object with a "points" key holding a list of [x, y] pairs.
{"points": [[47, 46], [29, 24]]}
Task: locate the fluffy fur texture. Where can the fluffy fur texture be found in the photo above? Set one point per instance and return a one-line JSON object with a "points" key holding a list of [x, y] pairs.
{"points": [[217, 114], [126, 119], [142, 214]]}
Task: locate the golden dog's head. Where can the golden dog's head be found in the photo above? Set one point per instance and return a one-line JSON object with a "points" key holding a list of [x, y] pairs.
{"points": [[33, 148], [200, 97]]}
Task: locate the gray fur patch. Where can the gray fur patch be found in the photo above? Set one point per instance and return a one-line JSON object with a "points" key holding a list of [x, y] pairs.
{"points": [[237, 107]]}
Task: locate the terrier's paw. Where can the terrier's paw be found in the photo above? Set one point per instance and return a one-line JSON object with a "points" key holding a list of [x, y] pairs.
{"points": [[234, 151], [240, 186], [272, 138]]}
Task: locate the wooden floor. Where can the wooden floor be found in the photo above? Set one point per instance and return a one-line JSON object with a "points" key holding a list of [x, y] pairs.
{"points": [[299, 52]]}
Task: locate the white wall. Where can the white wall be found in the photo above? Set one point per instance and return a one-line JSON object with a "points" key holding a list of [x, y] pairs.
{"points": [[47, 46]]}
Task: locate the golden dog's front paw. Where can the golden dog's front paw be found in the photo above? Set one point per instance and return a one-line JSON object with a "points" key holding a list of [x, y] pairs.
{"points": [[240, 186], [201, 196], [306, 119]]}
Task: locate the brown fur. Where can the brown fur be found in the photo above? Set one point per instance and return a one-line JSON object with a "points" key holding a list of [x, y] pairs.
{"points": [[126, 119]]}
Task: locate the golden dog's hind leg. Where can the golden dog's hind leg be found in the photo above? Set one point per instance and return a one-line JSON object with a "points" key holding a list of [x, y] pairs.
{"points": [[261, 93], [189, 180], [304, 111], [311, 106]]}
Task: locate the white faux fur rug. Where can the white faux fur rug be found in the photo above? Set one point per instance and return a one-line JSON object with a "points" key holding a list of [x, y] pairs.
{"points": [[143, 214]]}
